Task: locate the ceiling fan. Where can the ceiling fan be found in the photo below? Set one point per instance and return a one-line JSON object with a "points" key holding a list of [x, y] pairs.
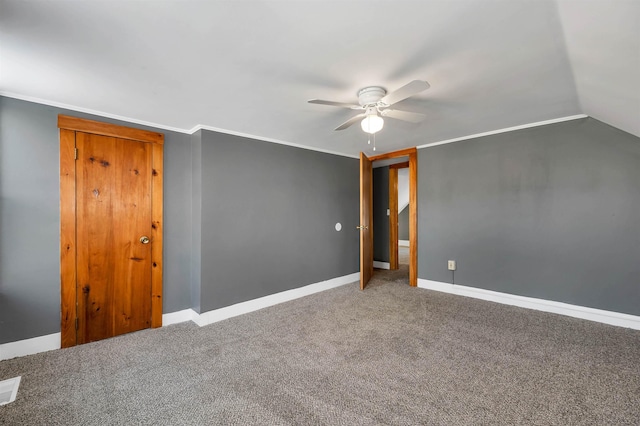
{"points": [[375, 101]]}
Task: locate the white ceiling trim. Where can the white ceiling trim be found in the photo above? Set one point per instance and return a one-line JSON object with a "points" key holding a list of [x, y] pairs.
{"points": [[271, 140], [505, 130], [163, 127], [90, 111], [246, 135]]}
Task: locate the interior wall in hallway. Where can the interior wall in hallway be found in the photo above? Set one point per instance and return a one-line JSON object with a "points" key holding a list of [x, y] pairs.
{"points": [[403, 224], [380, 218]]}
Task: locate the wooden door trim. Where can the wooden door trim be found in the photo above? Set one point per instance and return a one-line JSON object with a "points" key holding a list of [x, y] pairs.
{"points": [[399, 165], [68, 126], [393, 217], [68, 238], [107, 129], [395, 154], [412, 153], [413, 219]]}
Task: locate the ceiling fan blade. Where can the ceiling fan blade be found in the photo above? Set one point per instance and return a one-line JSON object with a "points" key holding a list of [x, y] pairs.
{"points": [[406, 91], [350, 122], [412, 117], [331, 103]]}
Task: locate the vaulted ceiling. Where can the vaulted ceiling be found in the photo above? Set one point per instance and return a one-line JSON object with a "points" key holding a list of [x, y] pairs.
{"points": [[249, 67]]}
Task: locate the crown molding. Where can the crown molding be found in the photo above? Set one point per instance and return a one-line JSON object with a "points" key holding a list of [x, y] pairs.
{"points": [[265, 139], [91, 111], [163, 127], [505, 130], [278, 141]]}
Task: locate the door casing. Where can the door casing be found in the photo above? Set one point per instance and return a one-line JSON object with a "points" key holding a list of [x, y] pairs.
{"points": [[393, 213], [68, 251], [412, 153]]}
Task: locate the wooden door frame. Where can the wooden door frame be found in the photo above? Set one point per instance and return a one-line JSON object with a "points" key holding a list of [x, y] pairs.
{"points": [[366, 225], [393, 213], [412, 153], [68, 127], [393, 217]]}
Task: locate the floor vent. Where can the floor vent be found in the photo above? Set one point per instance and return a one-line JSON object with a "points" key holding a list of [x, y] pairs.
{"points": [[9, 390]]}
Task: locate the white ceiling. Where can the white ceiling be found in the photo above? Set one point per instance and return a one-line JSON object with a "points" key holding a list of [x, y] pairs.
{"points": [[248, 67]]}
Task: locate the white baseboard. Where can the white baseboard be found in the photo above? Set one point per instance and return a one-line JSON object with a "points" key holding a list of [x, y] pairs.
{"points": [[178, 317], [52, 341], [30, 346], [403, 243], [591, 314], [216, 315], [381, 265]]}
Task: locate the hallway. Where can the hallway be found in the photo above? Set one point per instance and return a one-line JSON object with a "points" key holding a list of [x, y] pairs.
{"points": [[400, 275]]}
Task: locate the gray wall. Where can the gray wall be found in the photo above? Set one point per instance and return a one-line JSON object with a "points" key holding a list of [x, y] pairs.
{"points": [[551, 212], [403, 224], [380, 218], [268, 217], [242, 218], [30, 219]]}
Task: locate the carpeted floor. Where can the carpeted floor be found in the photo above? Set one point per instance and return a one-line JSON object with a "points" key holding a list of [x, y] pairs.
{"points": [[403, 255], [388, 355]]}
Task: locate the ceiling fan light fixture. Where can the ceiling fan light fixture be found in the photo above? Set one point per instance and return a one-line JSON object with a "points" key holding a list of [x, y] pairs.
{"points": [[375, 100], [372, 123]]}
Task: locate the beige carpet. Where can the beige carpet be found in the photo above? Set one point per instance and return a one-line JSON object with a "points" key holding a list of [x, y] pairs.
{"points": [[403, 255], [388, 355]]}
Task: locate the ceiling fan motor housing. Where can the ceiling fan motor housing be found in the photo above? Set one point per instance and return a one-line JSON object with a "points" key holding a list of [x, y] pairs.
{"points": [[370, 95]]}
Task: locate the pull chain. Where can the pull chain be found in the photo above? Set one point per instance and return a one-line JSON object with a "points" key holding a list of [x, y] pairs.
{"points": [[374, 141]]}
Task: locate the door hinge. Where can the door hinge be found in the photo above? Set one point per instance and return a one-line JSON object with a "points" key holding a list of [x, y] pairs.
{"points": [[75, 153], [77, 324]]}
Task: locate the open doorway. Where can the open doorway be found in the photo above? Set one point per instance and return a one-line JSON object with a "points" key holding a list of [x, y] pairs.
{"points": [[400, 221], [390, 163], [391, 216]]}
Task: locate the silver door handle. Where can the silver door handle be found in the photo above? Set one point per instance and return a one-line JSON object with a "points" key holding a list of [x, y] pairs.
{"points": [[362, 227], [144, 239]]}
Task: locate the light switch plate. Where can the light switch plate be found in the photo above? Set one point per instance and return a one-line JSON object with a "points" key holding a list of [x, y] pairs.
{"points": [[451, 265]]}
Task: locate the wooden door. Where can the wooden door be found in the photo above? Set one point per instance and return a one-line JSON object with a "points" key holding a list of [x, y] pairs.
{"points": [[111, 238], [366, 220], [113, 190]]}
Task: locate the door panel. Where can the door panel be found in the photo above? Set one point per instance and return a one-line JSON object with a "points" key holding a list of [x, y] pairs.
{"points": [[366, 220], [113, 190]]}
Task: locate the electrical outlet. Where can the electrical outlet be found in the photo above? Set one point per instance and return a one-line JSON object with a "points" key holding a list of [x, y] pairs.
{"points": [[451, 265]]}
